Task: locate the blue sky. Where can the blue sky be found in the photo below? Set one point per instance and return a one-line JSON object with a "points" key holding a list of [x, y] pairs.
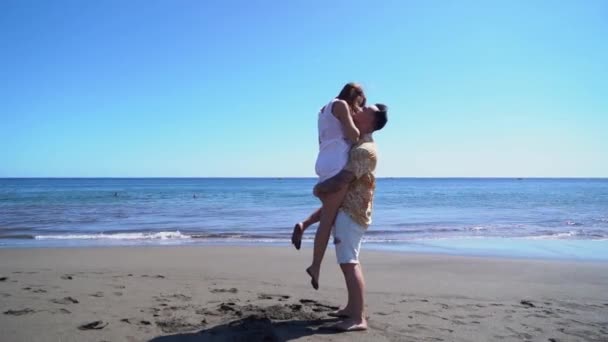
{"points": [[232, 88]]}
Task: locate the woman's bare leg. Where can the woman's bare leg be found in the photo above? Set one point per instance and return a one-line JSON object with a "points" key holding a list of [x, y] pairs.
{"points": [[331, 204], [300, 227]]}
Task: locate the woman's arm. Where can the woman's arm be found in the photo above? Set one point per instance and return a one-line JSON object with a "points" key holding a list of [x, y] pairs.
{"points": [[342, 112]]}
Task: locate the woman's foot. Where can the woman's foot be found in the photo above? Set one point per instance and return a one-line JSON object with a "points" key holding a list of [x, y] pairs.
{"points": [[314, 276], [296, 236]]}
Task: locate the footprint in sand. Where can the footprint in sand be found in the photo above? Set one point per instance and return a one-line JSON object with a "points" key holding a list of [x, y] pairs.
{"points": [[96, 325], [34, 290], [527, 304], [21, 312], [65, 301], [228, 307], [231, 290], [273, 296]]}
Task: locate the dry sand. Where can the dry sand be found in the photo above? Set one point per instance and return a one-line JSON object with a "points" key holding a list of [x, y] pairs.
{"points": [[165, 294]]}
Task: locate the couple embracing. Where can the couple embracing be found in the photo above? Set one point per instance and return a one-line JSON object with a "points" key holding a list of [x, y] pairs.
{"points": [[345, 165]]}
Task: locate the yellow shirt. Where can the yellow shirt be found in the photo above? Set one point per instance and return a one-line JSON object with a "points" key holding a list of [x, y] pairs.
{"points": [[358, 202]]}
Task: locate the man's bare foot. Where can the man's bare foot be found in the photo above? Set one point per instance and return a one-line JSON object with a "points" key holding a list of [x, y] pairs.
{"points": [[296, 236], [342, 313], [351, 324], [314, 277]]}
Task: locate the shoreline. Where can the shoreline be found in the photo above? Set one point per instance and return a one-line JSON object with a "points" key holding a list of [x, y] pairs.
{"points": [[166, 294], [483, 247]]}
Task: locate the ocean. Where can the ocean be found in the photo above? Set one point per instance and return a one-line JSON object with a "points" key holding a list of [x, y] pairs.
{"points": [[512, 217]]}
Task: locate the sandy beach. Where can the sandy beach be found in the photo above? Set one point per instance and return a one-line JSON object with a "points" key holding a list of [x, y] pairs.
{"points": [[218, 293]]}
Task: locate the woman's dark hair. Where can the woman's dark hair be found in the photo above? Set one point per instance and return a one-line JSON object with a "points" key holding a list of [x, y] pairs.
{"points": [[349, 94]]}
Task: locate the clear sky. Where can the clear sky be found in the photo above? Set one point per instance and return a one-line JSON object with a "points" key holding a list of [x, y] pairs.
{"points": [[232, 88]]}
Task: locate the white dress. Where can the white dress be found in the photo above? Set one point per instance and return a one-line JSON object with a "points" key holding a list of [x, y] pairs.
{"points": [[333, 145]]}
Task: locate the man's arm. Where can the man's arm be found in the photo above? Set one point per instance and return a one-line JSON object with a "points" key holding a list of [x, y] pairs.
{"points": [[335, 183]]}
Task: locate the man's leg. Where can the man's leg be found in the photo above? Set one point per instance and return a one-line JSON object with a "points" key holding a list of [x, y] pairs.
{"points": [[347, 310], [348, 235], [355, 285]]}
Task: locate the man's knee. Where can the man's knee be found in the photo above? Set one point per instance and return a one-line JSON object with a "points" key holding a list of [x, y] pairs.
{"points": [[349, 267]]}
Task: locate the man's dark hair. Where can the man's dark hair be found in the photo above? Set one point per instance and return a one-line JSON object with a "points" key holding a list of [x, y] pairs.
{"points": [[381, 116]]}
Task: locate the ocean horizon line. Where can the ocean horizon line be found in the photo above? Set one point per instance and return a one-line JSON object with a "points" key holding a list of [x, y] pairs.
{"points": [[308, 177]]}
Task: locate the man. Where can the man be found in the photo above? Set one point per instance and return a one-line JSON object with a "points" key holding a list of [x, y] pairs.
{"points": [[355, 213]]}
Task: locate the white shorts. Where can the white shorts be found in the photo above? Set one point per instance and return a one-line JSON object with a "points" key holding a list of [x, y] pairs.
{"points": [[347, 238]]}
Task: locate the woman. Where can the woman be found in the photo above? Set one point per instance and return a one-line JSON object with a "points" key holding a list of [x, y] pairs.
{"points": [[337, 133]]}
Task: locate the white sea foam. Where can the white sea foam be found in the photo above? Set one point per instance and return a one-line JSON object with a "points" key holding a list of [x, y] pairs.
{"points": [[117, 236], [564, 235]]}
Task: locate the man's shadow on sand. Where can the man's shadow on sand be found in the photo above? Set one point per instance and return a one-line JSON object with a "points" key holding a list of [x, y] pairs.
{"points": [[256, 329]]}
